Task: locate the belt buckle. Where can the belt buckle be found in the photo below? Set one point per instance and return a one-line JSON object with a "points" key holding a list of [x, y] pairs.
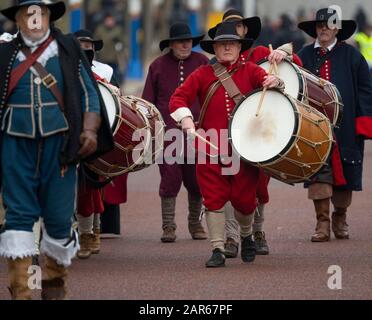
{"points": [[49, 81]]}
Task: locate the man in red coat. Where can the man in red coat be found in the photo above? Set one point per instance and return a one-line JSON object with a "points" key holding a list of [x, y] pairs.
{"points": [[165, 75], [217, 189], [94, 201], [250, 28]]}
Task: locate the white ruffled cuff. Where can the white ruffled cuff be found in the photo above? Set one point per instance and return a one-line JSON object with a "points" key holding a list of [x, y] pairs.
{"points": [[17, 244], [62, 251], [181, 114]]}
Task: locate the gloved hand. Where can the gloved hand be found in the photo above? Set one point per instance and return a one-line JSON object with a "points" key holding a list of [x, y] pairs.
{"points": [[88, 138]]}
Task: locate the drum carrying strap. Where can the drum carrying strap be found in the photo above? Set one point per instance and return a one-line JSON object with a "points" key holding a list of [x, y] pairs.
{"points": [[215, 85], [226, 80]]}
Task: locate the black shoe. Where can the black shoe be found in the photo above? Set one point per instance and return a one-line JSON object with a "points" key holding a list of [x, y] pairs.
{"points": [[217, 260], [248, 251], [262, 249], [231, 248]]}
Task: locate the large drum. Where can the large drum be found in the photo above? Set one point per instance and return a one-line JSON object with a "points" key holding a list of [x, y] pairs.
{"points": [[289, 139], [138, 131], [310, 89], [156, 126]]}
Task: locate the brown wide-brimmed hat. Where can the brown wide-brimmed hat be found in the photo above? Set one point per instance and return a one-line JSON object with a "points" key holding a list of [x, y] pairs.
{"points": [[233, 15], [226, 32], [329, 15]]}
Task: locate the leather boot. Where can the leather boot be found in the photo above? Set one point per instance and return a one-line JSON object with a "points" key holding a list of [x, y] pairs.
{"points": [[262, 249], [54, 288], [168, 208], [322, 231], [95, 246], [217, 260], [339, 226], [86, 240], [248, 250], [169, 235], [195, 226], [231, 248], [18, 269]]}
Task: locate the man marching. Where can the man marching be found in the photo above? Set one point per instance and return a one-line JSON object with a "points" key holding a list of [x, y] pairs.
{"points": [[166, 74], [332, 59], [235, 80], [51, 115]]}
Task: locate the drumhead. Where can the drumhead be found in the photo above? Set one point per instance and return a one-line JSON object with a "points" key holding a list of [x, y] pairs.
{"points": [[290, 75], [111, 104], [262, 139]]}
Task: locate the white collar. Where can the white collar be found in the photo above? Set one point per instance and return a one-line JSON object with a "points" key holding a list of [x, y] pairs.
{"points": [[33, 44], [317, 45]]}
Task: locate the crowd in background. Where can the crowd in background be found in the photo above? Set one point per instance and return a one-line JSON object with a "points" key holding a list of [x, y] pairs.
{"points": [[106, 18]]}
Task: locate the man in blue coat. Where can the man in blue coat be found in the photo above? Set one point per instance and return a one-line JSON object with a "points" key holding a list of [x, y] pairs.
{"points": [[51, 118], [334, 60]]}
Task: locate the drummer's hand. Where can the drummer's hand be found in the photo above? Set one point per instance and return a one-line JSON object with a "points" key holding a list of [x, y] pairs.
{"points": [[88, 141], [188, 124], [277, 56], [271, 82]]}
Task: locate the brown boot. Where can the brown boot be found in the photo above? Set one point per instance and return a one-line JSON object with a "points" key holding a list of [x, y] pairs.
{"points": [[169, 235], [18, 269], [86, 240], [195, 226], [95, 246], [339, 226], [168, 208], [54, 288], [322, 232]]}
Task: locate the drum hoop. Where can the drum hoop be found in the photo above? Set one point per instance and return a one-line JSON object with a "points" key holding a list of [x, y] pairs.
{"points": [[300, 76], [287, 148], [115, 126], [296, 138], [340, 115]]}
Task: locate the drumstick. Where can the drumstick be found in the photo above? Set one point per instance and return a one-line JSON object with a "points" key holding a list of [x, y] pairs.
{"points": [[263, 93], [194, 133], [275, 64]]}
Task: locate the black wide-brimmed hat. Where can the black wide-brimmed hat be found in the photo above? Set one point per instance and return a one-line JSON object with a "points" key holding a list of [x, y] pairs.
{"points": [[233, 15], [86, 35], [57, 10], [329, 15], [226, 32], [180, 31]]}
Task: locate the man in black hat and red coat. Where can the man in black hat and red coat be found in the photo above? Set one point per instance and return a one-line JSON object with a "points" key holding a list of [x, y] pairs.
{"points": [[166, 74], [250, 28], [52, 117], [216, 187], [331, 58]]}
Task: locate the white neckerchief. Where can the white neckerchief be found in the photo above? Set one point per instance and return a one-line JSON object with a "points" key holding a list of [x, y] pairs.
{"points": [[50, 52], [34, 44], [317, 45]]}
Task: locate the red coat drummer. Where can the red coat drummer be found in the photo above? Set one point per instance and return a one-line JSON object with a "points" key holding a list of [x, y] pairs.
{"points": [[217, 189], [91, 204], [250, 28]]}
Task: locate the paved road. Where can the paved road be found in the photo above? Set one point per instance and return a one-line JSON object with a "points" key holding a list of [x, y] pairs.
{"points": [[139, 266]]}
